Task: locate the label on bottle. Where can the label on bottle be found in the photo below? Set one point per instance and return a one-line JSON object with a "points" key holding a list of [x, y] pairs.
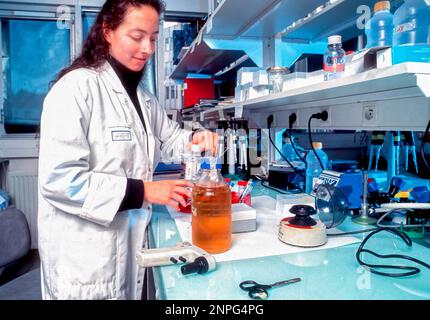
{"points": [[334, 67], [405, 27]]}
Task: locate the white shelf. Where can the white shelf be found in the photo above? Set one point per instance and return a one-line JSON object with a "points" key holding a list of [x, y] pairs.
{"points": [[202, 59], [340, 17], [399, 95], [259, 19], [234, 19]]}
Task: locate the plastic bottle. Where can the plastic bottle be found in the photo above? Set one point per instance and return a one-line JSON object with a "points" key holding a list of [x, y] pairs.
{"points": [[334, 59], [314, 168], [379, 29], [288, 151], [192, 172], [411, 23], [211, 211]]}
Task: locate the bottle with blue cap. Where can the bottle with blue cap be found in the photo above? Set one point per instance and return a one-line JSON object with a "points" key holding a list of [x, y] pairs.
{"points": [[211, 209]]}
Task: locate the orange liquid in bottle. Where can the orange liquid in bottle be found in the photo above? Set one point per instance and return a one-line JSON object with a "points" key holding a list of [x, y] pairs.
{"points": [[211, 220]]}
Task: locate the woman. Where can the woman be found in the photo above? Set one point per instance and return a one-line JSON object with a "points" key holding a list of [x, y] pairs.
{"points": [[101, 135]]}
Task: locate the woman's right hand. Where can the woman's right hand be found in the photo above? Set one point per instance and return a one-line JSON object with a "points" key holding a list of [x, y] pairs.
{"points": [[168, 192]]}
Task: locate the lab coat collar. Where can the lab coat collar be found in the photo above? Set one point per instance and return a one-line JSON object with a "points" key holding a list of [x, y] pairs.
{"points": [[107, 72]]}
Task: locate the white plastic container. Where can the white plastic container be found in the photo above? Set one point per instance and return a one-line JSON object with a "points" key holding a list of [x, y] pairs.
{"points": [[260, 78], [245, 75]]}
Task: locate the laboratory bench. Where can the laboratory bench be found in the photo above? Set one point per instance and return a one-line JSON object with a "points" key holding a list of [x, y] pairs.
{"points": [[332, 274]]}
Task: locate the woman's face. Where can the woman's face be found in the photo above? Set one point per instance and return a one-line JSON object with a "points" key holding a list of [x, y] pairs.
{"points": [[132, 43]]}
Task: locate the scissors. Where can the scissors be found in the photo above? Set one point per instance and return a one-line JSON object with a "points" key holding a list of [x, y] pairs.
{"points": [[259, 291]]}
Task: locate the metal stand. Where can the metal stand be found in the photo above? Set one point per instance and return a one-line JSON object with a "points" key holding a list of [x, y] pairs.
{"points": [[364, 218]]}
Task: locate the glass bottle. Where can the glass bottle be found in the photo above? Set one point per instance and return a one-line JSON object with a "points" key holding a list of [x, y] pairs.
{"points": [[211, 210]]}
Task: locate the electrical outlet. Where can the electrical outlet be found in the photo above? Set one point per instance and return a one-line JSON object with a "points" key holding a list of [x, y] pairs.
{"points": [[369, 114], [319, 122]]}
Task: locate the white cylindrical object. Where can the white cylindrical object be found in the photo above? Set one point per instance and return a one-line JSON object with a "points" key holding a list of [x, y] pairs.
{"points": [[311, 236]]}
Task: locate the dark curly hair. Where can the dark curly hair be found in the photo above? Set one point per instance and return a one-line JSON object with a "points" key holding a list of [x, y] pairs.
{"points": [[96, 48]]}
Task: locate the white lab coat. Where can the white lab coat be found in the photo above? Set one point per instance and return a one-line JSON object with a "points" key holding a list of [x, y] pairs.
{"points": [[91, 141]]}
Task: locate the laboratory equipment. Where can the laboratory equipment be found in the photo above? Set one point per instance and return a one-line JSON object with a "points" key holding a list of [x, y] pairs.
{"points": [[376, 142], [350, 183], [234, 148], [183, 252], [411, 23], [211, 210], [259, 291], [247, 190], [201, 265], [301, 230], [409, 145], [313, 169], [284, 177], [331, 205], [334, 59], [379, 29], [276, 78], [396, 151], [364, 217]]}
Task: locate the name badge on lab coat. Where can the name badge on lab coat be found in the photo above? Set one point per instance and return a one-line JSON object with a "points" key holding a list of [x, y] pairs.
{"points": [[121, 135]]}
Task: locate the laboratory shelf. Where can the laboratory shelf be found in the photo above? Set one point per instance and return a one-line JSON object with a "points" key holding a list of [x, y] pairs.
{"points": [[232, 20], [342, 17], [339, 17], [392, 98], [262, 19], [200, 58]]}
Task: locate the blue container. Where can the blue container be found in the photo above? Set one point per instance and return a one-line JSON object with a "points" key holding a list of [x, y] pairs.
{"points": [[411, 23], [314, 169], [379, 29]]}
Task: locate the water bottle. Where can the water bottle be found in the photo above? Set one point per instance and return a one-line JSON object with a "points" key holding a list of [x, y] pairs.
{"points": [[334, 59], [288, 151], [379, 29], [314, 169], [411, 23]]}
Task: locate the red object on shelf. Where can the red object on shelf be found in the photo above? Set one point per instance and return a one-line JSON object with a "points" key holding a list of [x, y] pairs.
{"points": [[196, 89], [235, 198]]}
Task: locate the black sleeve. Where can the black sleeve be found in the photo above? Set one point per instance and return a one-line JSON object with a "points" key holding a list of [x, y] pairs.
{"points": [[134, 192]]}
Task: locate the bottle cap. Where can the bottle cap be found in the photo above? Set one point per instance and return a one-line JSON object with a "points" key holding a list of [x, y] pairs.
{"points": [[317, 145], [334, 39], [382, 5]]}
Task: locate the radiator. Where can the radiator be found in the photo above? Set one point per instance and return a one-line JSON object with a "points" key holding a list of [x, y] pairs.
{"points": [[22, 188]]}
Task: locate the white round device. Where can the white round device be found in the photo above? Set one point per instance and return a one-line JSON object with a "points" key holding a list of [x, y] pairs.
{"points": [[301, 230], [312, 236]]}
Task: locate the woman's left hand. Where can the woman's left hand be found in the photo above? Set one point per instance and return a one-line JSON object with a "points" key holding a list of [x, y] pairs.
{"points": [[207, 140]]}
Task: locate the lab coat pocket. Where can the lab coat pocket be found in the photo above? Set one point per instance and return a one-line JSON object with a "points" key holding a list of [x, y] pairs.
{"points": [[87, 263]]}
